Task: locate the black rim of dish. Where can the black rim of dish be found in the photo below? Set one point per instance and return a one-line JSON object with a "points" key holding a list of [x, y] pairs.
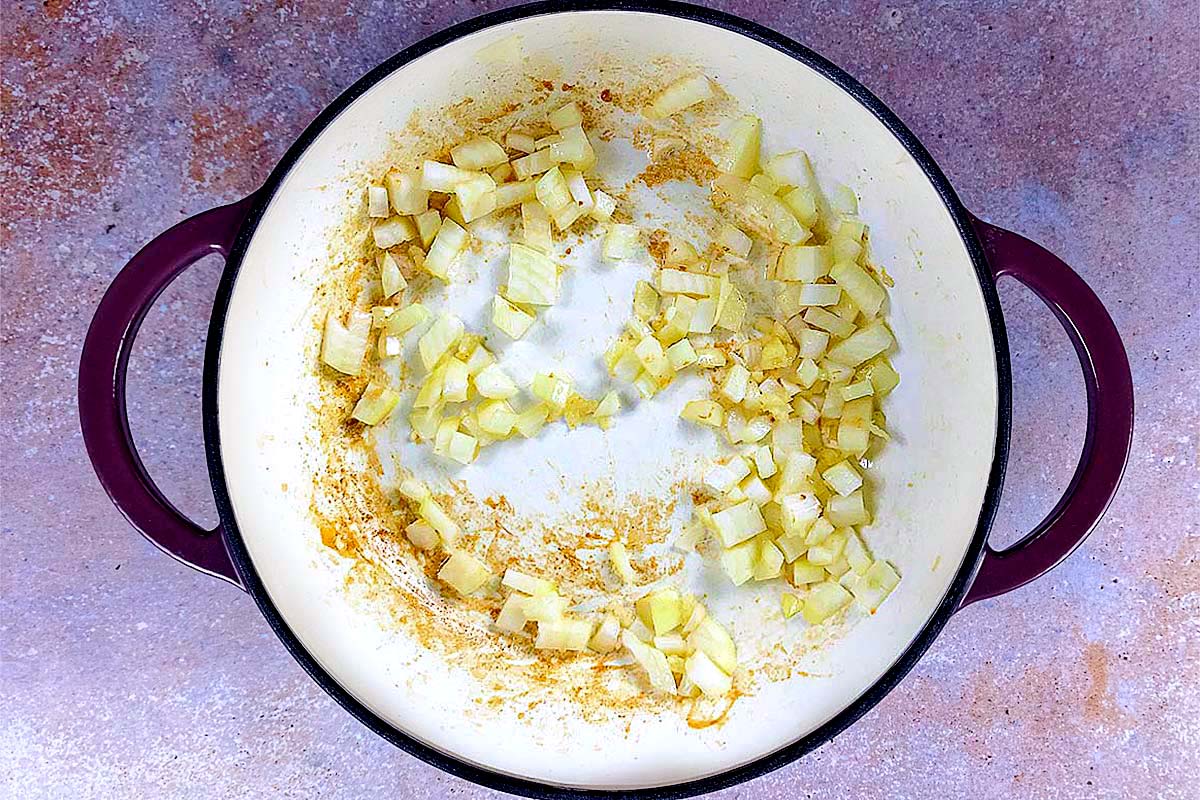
{"points": [[767, 763]]}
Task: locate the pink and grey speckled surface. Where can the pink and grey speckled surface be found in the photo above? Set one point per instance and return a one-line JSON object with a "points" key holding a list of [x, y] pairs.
{"points": [[126, 675]]}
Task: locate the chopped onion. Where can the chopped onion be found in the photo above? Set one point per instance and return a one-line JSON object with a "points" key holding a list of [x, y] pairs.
{"points": [[422, 535], [804, 263], [392, 231], [464, 573], [443, 335], [563, 634], [607, 636], [652, 661], [823, 601], [451, 239], [710, 638], [377, 201], [704, 412], [621, 241], [532, 277], [619, 558], [478, 153], [343, 346], [681, 94], [375, 404], [520, 142], [406, 193], [565, 117], [741, 152], [738, 523]]}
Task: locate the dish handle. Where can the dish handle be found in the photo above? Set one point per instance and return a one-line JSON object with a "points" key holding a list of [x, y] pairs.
{"points": [[1109, 434], [103, 416]]}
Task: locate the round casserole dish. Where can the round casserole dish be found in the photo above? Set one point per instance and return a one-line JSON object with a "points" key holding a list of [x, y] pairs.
{"points": [[940, 481]]}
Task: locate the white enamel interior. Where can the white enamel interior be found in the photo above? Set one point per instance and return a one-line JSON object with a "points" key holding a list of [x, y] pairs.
{"points": [[932, 477]]}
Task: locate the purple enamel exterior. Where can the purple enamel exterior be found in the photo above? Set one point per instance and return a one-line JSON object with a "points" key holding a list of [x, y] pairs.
{"points": [[124, 675]]}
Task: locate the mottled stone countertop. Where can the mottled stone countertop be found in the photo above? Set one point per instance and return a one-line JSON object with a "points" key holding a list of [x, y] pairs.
{"points": [[124, 674]]}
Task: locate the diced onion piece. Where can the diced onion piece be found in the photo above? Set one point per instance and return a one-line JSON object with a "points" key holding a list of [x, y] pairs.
{"points": [[676, 281], [857, 390], [703, 320], [710, 638], [464, 572], [389, 275], [532, 277], [454, 380], [572, 146], [805, 572], [422, 535], [619, 558], [734, 240], [733, 388], [428, 224], [650, 354], [607, 636], [820, 318], [438, 177], [862, 288], [803, 204], [563, 634], [535, 224], [820, 530], [405, 192], [532, 419], [375, 404], [707, 676], [515, 193], [828, 550], [502, 173], [609, 405], [877, 583], [551, 390], [463, 447], [769, 562], [842, 478], [731, 306], [823, 601], [661, 610], [567, 216], [812, 343], [512, 617], [842, 199], [722, 477], [580, 192], [476, 197], [533, 164], [478, 153], [392, 232], [406, 319], [653, 661], [645, 301], [848, 510], [739, 522], [677, 319], [819, 294], [552, 190], [883, 377], [681, 354], [604, 206], [741, 152], [789, 604], [800, 511], [704, 412], [451, 239], [565, 116], [764, 462], [856, 553], [520, 142], [496, 418], [545, 607], [443, 335], [621, 241], [864, 344], [672, 644], [804, 263], [681, 94], [343, 346], [377, 201], [493, 382]]}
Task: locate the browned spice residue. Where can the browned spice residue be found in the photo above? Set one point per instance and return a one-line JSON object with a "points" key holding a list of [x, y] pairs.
{"points": [[679, 164], [659, 246]]}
